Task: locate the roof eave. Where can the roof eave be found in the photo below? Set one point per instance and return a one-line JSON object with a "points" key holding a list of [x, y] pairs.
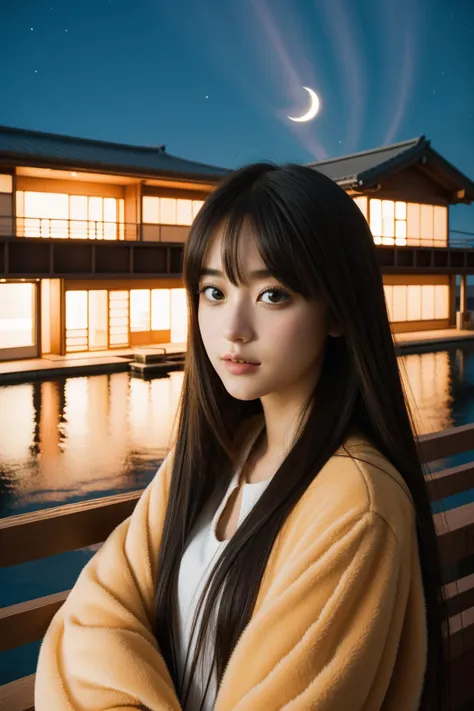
{"points": [[95, 167]]}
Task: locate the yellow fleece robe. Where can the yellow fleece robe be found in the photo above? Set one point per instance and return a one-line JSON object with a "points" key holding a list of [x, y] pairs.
{"points": [[339, 623]]}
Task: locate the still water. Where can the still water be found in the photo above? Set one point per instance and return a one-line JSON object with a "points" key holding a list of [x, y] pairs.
{"points": [[75, 438], [66, 440]]}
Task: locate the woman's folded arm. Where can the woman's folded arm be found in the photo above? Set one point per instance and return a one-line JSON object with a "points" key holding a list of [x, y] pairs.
{"points": [[326, 635], [100, 651]]}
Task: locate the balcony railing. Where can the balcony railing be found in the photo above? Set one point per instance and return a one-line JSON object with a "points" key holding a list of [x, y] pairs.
{"points": [[461, 239], [39, 534], [54, 228]]}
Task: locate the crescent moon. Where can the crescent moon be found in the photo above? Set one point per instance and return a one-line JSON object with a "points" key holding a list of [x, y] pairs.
{"points": [[313, 109]]}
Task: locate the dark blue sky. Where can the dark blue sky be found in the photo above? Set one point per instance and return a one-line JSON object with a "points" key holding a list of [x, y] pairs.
{"points": [[214, 79]]}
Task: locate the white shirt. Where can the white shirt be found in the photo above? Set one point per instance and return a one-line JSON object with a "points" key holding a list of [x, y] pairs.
{"points": [[203, 550]]}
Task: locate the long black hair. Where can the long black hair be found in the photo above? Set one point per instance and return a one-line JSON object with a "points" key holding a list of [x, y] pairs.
{"points": [[315, 241]]}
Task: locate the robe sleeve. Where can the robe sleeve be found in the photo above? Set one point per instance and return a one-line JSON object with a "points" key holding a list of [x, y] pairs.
{"points": [[99, 651], [326, 635]]}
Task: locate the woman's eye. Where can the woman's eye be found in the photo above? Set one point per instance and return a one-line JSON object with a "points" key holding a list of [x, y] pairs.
{"points": [[209, 289], [278, 296]]}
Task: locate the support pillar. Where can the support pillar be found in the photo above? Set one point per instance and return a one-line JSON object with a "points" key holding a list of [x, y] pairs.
{"points": [[463, 316]]}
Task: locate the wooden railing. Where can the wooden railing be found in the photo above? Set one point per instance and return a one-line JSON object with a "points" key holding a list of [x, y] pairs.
{"points": [[36, 535]]}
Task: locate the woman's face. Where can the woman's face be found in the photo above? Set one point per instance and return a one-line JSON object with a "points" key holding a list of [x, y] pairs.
{"points": [[262, 322]]}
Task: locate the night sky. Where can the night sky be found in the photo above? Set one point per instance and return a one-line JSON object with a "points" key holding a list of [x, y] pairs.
{"points": [[214, 80]]}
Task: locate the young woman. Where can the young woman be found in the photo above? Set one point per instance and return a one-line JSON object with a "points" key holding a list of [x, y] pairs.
{"points": [[284, 556]]}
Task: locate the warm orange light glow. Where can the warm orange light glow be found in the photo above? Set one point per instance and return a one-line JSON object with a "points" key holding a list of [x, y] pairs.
{"points": [[140, 310], [361, 202], [179, 319], [76, 309], [97, 319], [6, 183], [59, 215], [118, 318], [410, 224], [169, 211], [45, 316], [17, 315], [160, 310], [417, 302]]}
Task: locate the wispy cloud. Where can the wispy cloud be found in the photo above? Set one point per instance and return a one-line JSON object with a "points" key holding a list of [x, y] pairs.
{"points": [[340, 25], [287, 73]]}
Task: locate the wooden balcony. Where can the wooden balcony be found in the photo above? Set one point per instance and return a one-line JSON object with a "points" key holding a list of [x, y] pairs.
{"points": [[39, 534], [28, 258], [454, 259]]}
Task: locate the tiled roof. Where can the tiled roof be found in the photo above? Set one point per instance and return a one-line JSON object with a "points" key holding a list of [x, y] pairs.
{"points": [[351, 167], [38, 148], [364, 170]]}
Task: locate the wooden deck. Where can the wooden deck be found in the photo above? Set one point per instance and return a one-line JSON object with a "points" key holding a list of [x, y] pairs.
{"points": [[39, 534]]}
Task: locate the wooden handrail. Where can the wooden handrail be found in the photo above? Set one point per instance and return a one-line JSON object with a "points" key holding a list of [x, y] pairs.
{"points": [[59, 529], [28, 621], [47, 532], [450, 481], [65, 528], [446, 443]]}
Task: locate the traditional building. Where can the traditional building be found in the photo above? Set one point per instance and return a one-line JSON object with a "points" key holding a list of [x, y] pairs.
{"points": [[92, 235], [404, 191]]}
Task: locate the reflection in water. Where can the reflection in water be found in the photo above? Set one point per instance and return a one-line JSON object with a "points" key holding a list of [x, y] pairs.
{"points": [[427, 379], [64, 440], [75, 438]]}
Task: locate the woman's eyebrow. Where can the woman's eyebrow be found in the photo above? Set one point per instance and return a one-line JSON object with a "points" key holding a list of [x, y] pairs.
{"points": [[256, 274]]}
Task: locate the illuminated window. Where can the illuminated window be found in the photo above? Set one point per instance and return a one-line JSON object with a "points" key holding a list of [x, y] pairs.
{"points": [[151, 210], [57, 215], [6, 183], [140, 310], [17, 315], [160, 310], [179, 323], [76, 309], [426, 213], [417, 302], [413, 224], [413, 302], [110, 218], [361, 202], [376, 219], [97, 319], [400, 210], [427, 302], [96, 216], [389, 300], [399, 303], [441, 301], [185, 212], [197, 204], [169, 211], [118, 318], [76, 321], [440, 227], [78, 216], [388, 222]]}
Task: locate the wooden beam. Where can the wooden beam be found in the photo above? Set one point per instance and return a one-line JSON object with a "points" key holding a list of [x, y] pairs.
{"points": [[46, 532], [18, 695], [28, 621], [439, 445], [450, 481]]}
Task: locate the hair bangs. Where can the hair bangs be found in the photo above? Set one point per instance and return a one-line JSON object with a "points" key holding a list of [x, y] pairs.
{"points": [[275, 229]]}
